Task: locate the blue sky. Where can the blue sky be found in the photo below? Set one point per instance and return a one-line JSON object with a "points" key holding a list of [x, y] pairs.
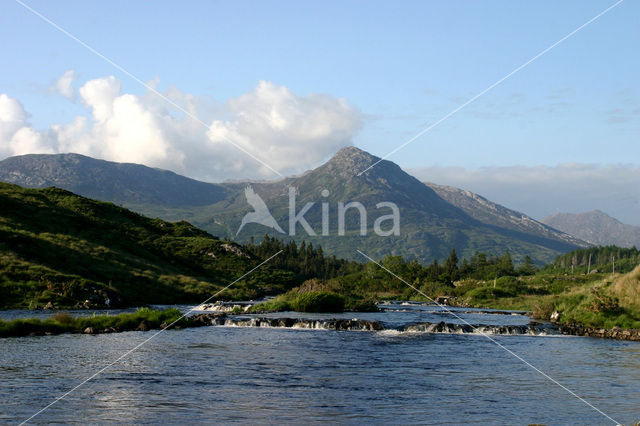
{"points": [[399, 65]]}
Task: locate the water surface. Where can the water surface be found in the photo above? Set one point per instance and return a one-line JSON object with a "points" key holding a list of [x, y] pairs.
{"points": [[274, 375]]}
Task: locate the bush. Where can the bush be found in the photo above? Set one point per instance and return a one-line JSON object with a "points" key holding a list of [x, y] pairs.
{"points": [[483, 294], [366, 305], [543, 309], [318, 301]]}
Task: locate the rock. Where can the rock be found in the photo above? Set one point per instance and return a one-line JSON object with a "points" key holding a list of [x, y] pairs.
{"points": [[89, 330]]}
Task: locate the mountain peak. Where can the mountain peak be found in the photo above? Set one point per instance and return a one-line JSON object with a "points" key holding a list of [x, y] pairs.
{"points": [[351, 156], [349, 161]]}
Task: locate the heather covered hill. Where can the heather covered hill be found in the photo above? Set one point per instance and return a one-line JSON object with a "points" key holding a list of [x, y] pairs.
{"points": [[64, 250]]}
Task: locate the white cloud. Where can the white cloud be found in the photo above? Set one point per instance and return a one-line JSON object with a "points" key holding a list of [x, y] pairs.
{"points": [[16, 135], [99, 95], [543, 190], [288, 132], [291, 133], [64, 85]]}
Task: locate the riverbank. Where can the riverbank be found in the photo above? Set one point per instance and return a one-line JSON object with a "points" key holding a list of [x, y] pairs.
{"points": [[576, 329], [147, 319], [62, 322]]}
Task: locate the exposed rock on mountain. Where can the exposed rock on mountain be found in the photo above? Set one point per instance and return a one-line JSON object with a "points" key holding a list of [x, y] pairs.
{"points": [[596, 227]]}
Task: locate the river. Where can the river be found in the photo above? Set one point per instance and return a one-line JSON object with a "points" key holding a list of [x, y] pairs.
{"points": [[283, 375]]}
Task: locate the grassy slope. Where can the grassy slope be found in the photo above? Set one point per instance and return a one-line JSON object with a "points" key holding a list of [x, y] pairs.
{"points": [[600, 300], [58, 247]]}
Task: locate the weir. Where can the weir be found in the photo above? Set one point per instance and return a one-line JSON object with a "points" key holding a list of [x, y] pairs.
{"points": [[221, 319]]}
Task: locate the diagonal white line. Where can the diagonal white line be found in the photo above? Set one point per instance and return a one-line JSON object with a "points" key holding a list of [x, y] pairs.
{"points": [[494, 341], [150, 88], [64, 395], [447, 116]]}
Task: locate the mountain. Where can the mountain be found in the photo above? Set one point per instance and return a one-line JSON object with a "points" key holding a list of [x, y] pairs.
{"points": [[491, 213], [123, 183], [429, 226], [596, 227], [59, 248]]}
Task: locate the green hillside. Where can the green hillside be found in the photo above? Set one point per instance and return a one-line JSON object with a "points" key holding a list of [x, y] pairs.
{"points": [[68, 251]]}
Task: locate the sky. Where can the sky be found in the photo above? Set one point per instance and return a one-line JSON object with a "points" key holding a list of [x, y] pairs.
{"points": [[238, 89]]}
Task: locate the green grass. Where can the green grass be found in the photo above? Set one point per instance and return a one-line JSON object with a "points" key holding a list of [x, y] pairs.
{"points": [[317, 296], [73, 252], [62, 322], [599, 300]]}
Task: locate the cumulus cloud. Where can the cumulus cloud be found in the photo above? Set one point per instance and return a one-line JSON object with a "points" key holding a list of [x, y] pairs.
{"points": [[64, 85], [543, 190], [16, 135], [290, 133]]}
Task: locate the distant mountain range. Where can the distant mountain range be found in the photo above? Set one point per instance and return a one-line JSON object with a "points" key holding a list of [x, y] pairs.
{"points": [[434, 218], [596, 227], [123, 183]]}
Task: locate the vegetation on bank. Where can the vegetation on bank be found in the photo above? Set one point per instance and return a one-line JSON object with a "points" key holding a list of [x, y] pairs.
{"points": [[598, 299], [317, 296], [62, 322], [60, 250]]}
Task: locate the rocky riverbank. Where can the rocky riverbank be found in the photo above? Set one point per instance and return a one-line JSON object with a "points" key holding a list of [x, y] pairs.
{"points": [[617, 333]]}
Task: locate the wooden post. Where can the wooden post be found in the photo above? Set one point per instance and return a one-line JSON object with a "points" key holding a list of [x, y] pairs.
{"points": [[589, 267]]}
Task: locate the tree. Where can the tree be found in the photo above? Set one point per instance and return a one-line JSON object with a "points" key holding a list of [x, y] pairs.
{"points": [[527, 267], [451, 266], [505, 265]]}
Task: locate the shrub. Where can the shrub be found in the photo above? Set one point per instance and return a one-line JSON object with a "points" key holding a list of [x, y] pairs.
{"points": [[319, 302], [543, 309], [483, 294], [366, 305]]}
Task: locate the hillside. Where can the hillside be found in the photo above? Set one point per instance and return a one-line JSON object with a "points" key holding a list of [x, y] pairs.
{"points": [[430, 226], [491, 213], [596, 227], [121, 183], [65, 250]]}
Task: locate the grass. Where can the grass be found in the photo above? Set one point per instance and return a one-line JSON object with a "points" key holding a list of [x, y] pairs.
{"points": [[317, 296], [71, 252], [603, 301], [63, 322]]}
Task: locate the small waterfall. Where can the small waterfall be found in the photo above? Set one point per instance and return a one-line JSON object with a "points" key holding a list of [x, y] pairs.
{"points": [[532, 329], [448, 328], [329, 324]]}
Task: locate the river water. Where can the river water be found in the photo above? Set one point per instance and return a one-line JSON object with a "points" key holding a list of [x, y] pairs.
{"points": [[283, 375]]}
